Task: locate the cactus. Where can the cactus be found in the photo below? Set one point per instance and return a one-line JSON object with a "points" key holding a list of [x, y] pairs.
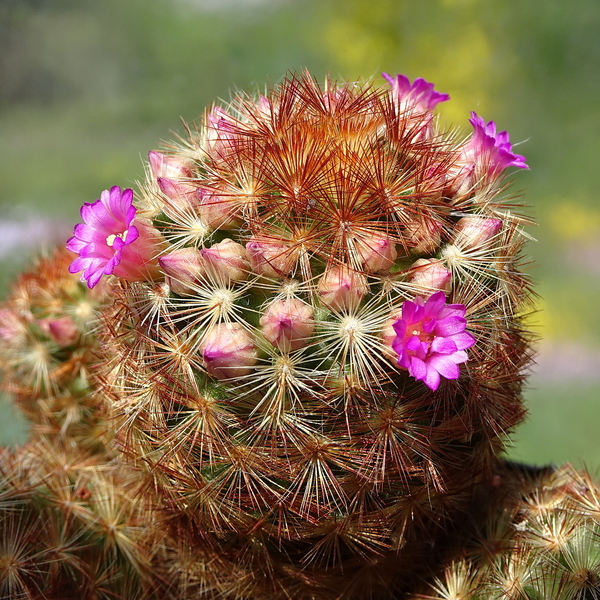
{"points": [[308, 353], [539, 541]]}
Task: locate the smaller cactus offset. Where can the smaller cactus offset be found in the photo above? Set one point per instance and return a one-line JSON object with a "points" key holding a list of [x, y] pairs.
{"points": [[308, 354], [47, 334], [540, 541]]}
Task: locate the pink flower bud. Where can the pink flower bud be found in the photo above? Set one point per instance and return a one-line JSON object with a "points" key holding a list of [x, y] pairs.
{"points": [[430, 275], [342, 289], [180, 194], [62, 330], [228, 260], [475, 232], [217, 211], [183, 268], [270, 258], [170, 167], [265, 107], [377, 252], [228, 351], [431, 339], [220, 132], [288, 324], [423, 236], [11, 327]]}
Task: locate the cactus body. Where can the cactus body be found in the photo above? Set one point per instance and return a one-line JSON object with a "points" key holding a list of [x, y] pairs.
{"points": [[265, 398], [310, 348]]}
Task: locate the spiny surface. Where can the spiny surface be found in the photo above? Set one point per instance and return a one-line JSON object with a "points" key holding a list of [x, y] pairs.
{"points": [[311, 344], [257, 377]]}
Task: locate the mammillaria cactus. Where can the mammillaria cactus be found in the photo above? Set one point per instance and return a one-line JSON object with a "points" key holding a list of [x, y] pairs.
{"points": [[308, 353]]}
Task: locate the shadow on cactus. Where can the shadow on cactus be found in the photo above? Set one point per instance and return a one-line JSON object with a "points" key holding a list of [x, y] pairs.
{"points": [[308, 354]]}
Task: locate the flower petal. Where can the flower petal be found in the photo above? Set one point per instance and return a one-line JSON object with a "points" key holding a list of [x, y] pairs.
{"points": [[434, 304], [432, 379], [444, 365], [450, 326], [408, 311], [463, 340], [417, 368], [443, 346], [74, 244]]}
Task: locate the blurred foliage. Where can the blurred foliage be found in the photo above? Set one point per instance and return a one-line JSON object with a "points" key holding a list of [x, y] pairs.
{"points": [[88, 87]]}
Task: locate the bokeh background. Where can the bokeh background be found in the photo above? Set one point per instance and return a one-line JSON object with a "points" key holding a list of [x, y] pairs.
{"points": [[88, 87]]}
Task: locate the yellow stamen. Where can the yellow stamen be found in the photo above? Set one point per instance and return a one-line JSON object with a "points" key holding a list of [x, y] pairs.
{"points": [[110, 240]]}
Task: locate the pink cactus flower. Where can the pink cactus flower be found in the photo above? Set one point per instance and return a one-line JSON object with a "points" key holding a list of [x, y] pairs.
{"points": [[491, 148], [484, 156], [419, 95], [431, 339], [109, 243]]}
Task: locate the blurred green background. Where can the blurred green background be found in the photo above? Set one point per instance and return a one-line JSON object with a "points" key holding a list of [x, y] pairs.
{"points": [[88, 87]]}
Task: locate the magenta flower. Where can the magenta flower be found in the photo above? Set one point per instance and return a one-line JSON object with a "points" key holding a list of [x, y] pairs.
{"points": [[431, 339], [494, 147], [419, 95], [107, 242]]}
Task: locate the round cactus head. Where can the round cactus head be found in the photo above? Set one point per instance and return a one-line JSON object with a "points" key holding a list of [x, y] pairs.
{"points": [[315, 345]]}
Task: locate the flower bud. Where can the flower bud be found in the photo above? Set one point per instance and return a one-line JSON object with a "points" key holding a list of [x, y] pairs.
{"points": [[270, 258], [228, 351], [377, 252], [423, 236], [265, 107], [180, 194], [288, 324], [228, 260], [475, 232], [217, 211], [171, 167], [62, 330], [430, 275], [183, 268], [11, 327], [220, 133], [342, 289]]}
